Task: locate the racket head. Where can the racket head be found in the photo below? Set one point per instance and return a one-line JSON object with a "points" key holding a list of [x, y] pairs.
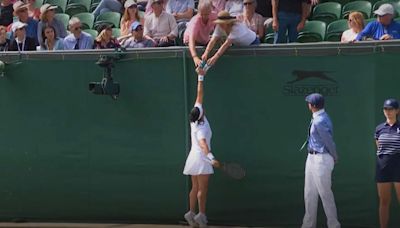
{"points": [[233, 170]]}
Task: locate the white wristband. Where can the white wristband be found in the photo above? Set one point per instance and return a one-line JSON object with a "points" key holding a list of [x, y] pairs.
{"points": [[210, 156], [200, 78]]}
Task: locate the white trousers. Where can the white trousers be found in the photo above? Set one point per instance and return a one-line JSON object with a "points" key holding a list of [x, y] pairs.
{"points": [[318, 182]]}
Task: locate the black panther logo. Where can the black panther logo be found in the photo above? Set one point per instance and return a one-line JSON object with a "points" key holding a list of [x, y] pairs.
{"points": [[302, 75]]}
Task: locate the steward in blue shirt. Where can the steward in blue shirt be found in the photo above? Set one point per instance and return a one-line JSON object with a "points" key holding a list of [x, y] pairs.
{"points": [[320, 162], [387, 136], [384, 28]]}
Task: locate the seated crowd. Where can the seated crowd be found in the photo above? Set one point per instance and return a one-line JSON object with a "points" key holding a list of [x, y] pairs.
{"points": [[158, 23]]}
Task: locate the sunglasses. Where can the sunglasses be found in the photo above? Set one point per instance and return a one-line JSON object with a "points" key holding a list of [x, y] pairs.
{"points": [[78, 28], [248, 3]]}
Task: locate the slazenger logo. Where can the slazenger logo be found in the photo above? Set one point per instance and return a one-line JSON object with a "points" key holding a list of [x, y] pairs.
{"points": [[306, 82]]}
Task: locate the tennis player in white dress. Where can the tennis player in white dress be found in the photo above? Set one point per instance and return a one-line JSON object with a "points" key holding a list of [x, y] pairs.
{"points": [[200, 161]]}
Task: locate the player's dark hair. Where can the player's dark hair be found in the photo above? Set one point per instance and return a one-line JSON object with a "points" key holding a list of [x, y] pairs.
{"points": [[194, 115]]}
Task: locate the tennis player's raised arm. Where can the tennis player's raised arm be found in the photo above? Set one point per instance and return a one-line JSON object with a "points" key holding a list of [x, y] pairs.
{"points": [[200, 89]]}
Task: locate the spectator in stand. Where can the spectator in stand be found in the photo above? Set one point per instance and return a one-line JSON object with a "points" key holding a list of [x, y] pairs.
{"points": [[47, 18], [356, 25], [289, 17], [264, 8], [78, 39], [21, 11], [182, 10], [252, 19], [4, 42], [199, 29], [50, 41], [384, 28], [160, 26], [21, 42], [6, 12], [137, 40], [234, 7], [130, 15], [107, 6], [33, 12], [149, 9], [237, 34], [218, 5], [105, 40]]}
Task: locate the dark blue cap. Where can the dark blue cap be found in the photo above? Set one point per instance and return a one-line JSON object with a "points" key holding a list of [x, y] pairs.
{"points": [[391, 103], [316, 100]]}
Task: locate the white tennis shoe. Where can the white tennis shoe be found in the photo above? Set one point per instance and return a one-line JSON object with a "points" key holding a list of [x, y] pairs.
{"points": [[189, 217], [201, 219]]}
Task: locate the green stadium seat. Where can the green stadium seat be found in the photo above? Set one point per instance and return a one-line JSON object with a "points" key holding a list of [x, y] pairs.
{"points": [[62, 4], [314, 31], [110, 18], [92, 32], [77, 6], [87, 20], [269, 35], [38, 3], [63, 18], [335, 29], [116, 32], [327, 12], [363, 7]]}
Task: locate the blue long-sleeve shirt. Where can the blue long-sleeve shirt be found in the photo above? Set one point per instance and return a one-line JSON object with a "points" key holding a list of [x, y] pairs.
{"points": [[376, 30], [321, 134]]}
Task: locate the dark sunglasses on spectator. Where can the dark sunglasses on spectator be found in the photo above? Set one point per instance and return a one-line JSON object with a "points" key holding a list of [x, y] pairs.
{"points": [[78, 28], [139, 28], [247, 3]]}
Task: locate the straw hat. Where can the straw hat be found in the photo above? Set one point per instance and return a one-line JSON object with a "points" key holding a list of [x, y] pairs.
{"points": [[225, 18]]}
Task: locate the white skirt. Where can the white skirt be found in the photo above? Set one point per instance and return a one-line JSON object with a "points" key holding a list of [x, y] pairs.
{"points": [[197, 164]]}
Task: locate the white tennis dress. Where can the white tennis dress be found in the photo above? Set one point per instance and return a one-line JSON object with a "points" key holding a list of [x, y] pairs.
{"points": [[197, 162]]}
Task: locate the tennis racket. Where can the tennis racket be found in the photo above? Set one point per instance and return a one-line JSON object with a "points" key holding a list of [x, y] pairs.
{"points": [[231, 169]]}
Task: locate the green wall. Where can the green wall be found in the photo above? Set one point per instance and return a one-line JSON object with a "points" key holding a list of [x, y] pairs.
{"points": [[69, 155]]}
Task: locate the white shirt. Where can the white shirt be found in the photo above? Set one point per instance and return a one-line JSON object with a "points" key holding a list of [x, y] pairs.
{"points": [[158, 27], [234, 7], [348, 36], [200, 131], [240, 35]]}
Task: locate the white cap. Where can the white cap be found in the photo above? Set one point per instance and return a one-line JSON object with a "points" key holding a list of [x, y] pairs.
{"points": [[384, 9], [46, 7], [17, 25], [19, 5], [130, 3]]}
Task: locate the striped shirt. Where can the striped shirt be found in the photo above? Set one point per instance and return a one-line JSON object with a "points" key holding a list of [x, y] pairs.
{"points": [[388, 138]]}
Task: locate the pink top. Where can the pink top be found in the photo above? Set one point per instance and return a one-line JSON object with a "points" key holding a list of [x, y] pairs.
{"points": [[218, 5], [200, 30]]}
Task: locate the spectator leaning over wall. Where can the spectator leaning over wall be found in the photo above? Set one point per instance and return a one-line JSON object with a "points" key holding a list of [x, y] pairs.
{"points": [[199, 29], [21, 42], [237, 34], [77, 39], [4, 42], [182, 10], [252, 19], [137, 40], [47, 18], [6, 12], [356, 25], [160, 26], [289, 17], [384, 28], [21, 11]]}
